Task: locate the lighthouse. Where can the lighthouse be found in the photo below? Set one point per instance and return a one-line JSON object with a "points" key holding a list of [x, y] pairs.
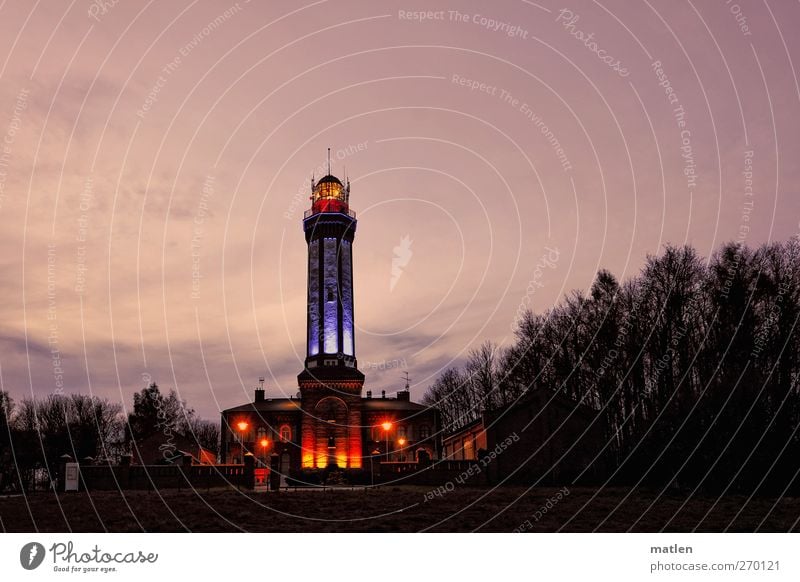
{"points": [[330, 383], [330, 429]]}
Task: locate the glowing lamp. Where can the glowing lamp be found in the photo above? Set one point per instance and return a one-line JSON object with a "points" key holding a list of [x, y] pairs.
{"points": [[401, 442], [242, 425], [387, 425], [265, 443]]}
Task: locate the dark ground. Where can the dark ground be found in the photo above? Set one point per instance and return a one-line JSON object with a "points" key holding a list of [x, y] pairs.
{"points": [[391, 509]]}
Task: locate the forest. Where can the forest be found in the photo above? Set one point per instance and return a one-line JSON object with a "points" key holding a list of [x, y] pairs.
{"points": [[691, 367]]}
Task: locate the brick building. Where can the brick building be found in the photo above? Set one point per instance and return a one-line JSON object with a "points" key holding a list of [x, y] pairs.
{"points": [[384, 428], [544, 437], [464, 444]]}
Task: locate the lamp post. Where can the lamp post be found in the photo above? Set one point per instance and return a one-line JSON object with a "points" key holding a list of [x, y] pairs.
{"points": [[264, 444], [372, 455], [387, 426], [401, 441], [242, 426]]}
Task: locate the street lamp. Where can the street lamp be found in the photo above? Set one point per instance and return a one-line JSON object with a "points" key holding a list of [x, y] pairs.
{"points": [[264, 444], [401, 441], [387, 426], [242, 426]]}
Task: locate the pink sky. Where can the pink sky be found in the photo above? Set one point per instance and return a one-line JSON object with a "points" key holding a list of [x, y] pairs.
{"points": [[147, 144]]}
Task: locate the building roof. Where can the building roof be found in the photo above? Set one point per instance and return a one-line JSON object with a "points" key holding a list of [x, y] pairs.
{"points": [[293, 405], [390, 404], [268, 405], [540, 398], [478, 422]]}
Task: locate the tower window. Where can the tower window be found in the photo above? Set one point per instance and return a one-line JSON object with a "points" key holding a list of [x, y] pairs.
{"points": [[286, 433]]}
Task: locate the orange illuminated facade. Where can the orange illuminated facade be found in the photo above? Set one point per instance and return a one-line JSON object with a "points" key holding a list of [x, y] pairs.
{"points": [[328, 428]]}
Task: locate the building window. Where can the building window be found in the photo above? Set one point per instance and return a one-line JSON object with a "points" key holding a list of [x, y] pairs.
{"points": [[401, 432], [424, 432], [286, 433], [261, 433], [467, 449]]}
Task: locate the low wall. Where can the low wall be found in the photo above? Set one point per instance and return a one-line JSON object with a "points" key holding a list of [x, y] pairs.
{"points": [[155, 477], [433, 473], [187, 476]]}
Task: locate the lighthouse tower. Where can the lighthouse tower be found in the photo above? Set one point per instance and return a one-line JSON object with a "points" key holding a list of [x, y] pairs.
{"points": [[330, 383]]}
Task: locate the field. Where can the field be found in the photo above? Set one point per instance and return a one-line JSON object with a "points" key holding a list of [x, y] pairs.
{"points": [[395, 509]]}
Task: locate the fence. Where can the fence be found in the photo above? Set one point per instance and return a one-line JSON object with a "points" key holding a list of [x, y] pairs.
{"points": [[185, 475], [126, 476]]}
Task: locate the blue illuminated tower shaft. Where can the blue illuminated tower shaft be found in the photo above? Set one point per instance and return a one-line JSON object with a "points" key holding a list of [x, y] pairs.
{"points": [[331, 337]]}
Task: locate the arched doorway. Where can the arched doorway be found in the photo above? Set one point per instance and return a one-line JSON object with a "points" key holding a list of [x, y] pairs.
{"points": [[331, 432]]}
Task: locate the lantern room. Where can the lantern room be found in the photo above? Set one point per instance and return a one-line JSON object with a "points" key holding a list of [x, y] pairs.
{"points": [[330, 195]]}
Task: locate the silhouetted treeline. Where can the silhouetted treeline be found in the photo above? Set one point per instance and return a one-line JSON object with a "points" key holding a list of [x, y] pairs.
{"points": [[36, 433], [166, 414], [692, 367]]}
